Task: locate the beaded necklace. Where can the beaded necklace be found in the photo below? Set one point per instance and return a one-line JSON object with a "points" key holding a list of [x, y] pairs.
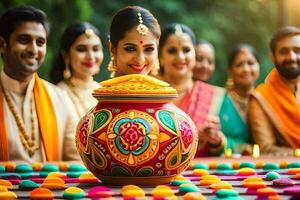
{"points": [[28, 142]]}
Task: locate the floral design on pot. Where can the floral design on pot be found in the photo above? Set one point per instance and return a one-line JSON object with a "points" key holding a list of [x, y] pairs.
{"points": [[135, 135]]}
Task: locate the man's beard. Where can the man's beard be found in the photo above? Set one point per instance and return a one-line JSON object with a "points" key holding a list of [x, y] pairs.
{"points": [[287, 72]]}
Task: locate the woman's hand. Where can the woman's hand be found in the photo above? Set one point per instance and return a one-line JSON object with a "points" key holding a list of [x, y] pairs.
{"points": [[210, 131]]}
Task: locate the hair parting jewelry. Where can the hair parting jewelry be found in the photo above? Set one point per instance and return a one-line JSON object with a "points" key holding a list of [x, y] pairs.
{"points": [[89, 32], [244, 50], [178, 30], [27, 141], [141, 28]]}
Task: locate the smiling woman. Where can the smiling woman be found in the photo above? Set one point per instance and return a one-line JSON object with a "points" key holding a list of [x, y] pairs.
{"points": [[79, 58], [134, 36], [205, 61], [177, 56], [198, 99], [135, 134], [244, 71]]}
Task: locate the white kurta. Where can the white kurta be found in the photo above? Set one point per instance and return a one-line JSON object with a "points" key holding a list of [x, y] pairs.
{"points": [[85, 100], [64, 116]]}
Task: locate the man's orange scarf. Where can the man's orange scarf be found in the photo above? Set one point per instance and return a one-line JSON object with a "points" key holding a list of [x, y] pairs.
{"points": [[47, 123], [280, 104]]}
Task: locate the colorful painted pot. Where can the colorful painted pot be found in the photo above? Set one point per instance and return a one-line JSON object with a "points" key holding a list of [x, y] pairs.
{"points": [[135, 135]]}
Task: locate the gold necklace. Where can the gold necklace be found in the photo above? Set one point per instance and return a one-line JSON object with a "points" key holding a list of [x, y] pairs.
{"points": [[27, 141], [80, 105], [183, 91], [185, 88], [240, 102]]}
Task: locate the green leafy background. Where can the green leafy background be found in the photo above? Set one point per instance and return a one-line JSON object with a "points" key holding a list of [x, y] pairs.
{"points": [[222, 22]]}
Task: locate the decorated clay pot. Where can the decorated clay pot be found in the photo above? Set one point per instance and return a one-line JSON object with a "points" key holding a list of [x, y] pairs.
{"points": [[135, 135]]}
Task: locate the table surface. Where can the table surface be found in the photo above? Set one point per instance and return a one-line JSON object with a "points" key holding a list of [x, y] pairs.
{"points": [[268, 158], [232, 178]]}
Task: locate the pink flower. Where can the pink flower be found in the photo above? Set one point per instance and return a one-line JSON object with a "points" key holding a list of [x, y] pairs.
{"points": [[133, 136], [186, 134]]}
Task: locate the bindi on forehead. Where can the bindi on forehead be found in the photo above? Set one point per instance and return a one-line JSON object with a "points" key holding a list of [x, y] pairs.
{"points": [[141, 42]]}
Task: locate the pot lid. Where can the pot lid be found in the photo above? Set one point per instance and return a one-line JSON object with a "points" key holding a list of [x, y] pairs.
{"points": [[134, 87]]}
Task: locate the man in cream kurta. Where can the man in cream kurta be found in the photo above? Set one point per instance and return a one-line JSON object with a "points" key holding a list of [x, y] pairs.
{"points": [[66, 123], [28, 101]]}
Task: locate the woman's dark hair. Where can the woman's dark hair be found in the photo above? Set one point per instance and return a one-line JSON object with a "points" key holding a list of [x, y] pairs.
{"points": [[69, 36], [17, 15], [237, 49], [203, 41], [171, 29], [127, 18]]}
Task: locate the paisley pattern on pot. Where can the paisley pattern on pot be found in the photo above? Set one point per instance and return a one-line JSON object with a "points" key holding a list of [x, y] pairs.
{"points": [[183, 137]]}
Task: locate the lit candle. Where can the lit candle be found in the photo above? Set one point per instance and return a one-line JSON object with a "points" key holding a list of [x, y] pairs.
{"points": [[297, 153], [256, 152], [228, 152]]}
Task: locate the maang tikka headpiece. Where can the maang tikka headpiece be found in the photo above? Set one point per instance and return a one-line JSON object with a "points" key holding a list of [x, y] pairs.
{"points": [[178, 30], [89, 32], [141, 28]]}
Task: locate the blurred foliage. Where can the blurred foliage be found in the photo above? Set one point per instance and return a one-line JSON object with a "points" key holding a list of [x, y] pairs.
{"points": [[225, 23]]}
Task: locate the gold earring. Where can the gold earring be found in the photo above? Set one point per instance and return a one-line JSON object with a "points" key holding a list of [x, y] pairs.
{"points": [[229, 83], [111, 67], [155, 68], [67, 72]]}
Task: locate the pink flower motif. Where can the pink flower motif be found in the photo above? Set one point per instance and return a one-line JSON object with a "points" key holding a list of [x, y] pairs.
{"points": [[186, 134], [132, 136]]}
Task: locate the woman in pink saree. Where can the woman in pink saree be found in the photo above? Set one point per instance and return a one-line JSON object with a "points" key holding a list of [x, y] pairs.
{"points": [[199, 100]]}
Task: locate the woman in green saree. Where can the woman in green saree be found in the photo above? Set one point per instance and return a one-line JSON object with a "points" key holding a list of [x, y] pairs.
{"points": [[243, 71]]}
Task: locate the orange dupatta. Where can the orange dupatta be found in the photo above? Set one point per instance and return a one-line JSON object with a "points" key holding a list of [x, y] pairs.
{"points": [[281, 106], [46, 118], [3, 136]]}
